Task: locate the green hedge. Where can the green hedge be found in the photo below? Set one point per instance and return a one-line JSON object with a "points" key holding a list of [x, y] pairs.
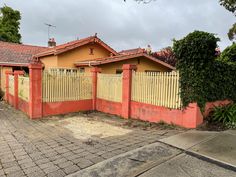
{"points": [[202, 77]]}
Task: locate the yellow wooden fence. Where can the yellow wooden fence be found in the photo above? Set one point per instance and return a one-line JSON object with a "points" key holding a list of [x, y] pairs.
{"points": [[160, 89], [11, 85], [110, 87], [23, 88], [66, 85]]}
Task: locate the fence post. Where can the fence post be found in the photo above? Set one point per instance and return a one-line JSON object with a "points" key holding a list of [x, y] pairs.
{"points": [[35, 97], [126, 89], [16, 96], [7, 85], [95, 72]]}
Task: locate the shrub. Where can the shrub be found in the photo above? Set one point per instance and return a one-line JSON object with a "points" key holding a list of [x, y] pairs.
{"points": [[202, 77], [226, 115]]}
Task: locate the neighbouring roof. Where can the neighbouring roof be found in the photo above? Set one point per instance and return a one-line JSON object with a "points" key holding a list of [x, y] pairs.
{"points": [[132, 51], [74, 44], [100, 61], [18, 54]]}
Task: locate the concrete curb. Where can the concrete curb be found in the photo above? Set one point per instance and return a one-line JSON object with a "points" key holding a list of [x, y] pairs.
{"points": [[127, 155], [205, 158]]}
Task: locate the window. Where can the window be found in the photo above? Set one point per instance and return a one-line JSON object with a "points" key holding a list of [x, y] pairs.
{"points": [[91, 51], [151, 71], [81, 70], [119, 71]]}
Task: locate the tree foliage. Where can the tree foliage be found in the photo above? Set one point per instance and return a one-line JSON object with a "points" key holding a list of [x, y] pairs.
{"points": [[167, 55], [229, 54], [10, 25], [230, 5], [202, 77], [232, 32]]}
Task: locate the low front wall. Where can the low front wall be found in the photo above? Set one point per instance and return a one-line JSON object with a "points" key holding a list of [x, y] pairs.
{"points": [[188, 118], [56, 108], [11, 99], [209, 106], [110, 107], [23, 106]]}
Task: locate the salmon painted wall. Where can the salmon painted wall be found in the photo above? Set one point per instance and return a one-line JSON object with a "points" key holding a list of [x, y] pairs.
{"points": [[3, 76], [142, 64], [82, 53]]}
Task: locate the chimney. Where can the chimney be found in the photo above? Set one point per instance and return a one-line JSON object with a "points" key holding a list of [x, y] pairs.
{"points": [[51, 42], [149, 50]]}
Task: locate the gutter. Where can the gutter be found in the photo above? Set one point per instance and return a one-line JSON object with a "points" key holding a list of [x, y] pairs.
{"points": [[13, 64], [87, 63]]}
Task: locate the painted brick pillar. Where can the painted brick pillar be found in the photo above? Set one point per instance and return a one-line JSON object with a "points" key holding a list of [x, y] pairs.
{"points": [[16, 96], [126, 89], [95, 72], [35, 97], [7, 85]]}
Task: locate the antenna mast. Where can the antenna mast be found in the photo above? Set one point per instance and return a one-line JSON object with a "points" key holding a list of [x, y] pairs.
{"points": [[49, 26]]}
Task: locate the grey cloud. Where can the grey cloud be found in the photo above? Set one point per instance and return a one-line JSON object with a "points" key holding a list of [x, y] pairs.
{"points": [[122, 25]]}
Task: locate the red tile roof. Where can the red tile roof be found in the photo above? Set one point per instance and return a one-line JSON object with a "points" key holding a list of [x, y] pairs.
{"points": [[100, 61], [130, 51], [18, 54], [74, 44]]}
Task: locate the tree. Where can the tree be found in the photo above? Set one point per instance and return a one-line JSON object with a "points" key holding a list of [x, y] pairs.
{"points": [[10, 25], [229, 54], [166, 55], [230, 5]]}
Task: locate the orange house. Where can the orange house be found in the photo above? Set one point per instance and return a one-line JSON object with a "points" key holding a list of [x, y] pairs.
{"points": [[80, 54], [92, 51]]}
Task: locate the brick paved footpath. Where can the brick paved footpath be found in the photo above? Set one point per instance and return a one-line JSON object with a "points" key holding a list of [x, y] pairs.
{"points": [[40, 148]]}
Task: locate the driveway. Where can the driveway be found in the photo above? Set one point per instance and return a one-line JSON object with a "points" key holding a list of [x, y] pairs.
{"points": [[58, 146]]}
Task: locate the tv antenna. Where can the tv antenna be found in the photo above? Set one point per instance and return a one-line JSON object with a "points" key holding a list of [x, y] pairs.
{"points": [[49, 26]]}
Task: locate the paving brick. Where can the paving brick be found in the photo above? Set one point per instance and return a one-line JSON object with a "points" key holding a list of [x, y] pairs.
{"points": [[83, 163], [32, 170], [1, 173], [71, 169], [96, 159], [27, 165], [58, 173], [12, 170], [26, 160], [42, 161], [50, 169], [46, 165], [65, 164], [37, 174], [9, 164], [61, 160], [34, 146]]}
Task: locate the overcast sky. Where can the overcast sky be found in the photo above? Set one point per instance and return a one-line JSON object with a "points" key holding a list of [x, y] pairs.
{"points": [[121, 25]]}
